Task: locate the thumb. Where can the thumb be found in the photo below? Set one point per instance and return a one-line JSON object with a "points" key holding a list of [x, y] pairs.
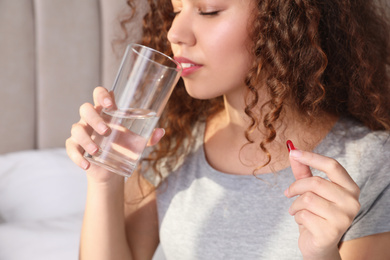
{"points": [[299, 169], [157, 134]]}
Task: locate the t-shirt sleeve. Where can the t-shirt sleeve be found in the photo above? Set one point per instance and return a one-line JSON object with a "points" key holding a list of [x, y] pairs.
{"points": [[374, 215]]}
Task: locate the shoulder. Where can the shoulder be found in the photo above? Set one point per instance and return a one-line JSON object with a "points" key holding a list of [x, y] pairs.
{"points": [[353, 130], [351, 138], [371, 147], [363, 152]]}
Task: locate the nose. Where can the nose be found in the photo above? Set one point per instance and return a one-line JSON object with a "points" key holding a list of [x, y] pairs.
{"points": [[181, 32]]}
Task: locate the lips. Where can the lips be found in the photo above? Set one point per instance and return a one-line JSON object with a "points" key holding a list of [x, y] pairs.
{"points": [[189, 67]]}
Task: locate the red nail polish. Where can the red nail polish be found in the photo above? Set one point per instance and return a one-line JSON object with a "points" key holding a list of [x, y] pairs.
{"points": [[290, 145]]}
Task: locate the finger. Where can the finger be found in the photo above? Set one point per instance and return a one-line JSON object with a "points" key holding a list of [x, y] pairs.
{"points": [[324, 198], [157, 134], [82, 138], [325, 189], [335, 172], [90, 116], [299, 170], [323, 233], [103, 98], [317, 185], [313, 223], [75, 153], [313, 203]]}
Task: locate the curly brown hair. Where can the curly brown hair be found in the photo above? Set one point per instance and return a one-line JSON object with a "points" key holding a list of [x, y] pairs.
{"points": [[325, 55]]}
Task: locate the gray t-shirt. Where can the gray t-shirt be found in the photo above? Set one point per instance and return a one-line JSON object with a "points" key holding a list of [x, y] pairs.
{"points": [[207, 214]]}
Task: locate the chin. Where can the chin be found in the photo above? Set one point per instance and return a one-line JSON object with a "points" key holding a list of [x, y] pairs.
{"points": [[202, 95], [202, 92]]}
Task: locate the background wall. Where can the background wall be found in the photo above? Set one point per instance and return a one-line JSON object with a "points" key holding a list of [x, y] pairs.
{"points": [[53, 53]]}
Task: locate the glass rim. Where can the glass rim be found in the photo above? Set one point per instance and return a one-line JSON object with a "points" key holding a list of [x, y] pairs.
{"points": [[178, 67]]}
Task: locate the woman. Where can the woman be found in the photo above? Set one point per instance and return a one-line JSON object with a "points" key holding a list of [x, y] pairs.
{"points": [[217, 186]]}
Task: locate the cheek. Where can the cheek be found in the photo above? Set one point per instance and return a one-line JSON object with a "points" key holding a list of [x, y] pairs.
{"points": [[227, 65], [227, 37], [231, 63], [229, 45]]}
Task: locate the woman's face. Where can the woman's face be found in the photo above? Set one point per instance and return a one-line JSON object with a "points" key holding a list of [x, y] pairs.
{"points": [[210, 39]]}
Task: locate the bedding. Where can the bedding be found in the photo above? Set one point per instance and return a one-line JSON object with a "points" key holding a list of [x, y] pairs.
{"points": [[42, 197]]}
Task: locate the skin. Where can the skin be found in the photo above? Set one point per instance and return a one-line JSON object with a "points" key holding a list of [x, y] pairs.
{"points": [[210, 34], [209, 47], [324, 208]]}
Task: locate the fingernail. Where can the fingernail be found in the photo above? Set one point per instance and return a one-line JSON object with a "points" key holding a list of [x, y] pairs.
{"points": [[107, 102], [290, 145], [295, 153], [286, 192], [85, 165], [91, 148], [102, 128]]}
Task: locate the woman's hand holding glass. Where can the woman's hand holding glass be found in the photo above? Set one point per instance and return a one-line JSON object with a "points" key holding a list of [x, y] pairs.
{"points": [[324, 209], [81, 140]]}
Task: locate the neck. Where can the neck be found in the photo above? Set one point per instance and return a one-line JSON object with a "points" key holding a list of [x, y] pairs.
{"points": [[290, 124], [232, 123]]}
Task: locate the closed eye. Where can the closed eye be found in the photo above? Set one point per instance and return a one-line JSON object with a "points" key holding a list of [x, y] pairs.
{"points": [[209, 13]]}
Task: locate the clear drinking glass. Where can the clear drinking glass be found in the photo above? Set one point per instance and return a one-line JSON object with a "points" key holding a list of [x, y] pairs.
{"points": [[143, 85]]}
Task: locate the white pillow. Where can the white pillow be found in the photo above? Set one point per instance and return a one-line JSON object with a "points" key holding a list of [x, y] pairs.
{"points": [[56, 239], [42, 200], [40, 184]]}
